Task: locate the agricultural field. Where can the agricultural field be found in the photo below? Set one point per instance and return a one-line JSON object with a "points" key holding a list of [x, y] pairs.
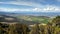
{"points": [[37, 19]]}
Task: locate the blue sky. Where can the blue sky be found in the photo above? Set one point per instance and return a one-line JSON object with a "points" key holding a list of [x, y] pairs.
{"points": [[30, 5]]}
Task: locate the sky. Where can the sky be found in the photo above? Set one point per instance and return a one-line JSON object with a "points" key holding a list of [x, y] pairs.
{"points": [[30, 5]]}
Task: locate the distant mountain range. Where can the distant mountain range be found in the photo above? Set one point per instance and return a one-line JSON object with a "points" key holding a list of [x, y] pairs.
{"points": [[31, 13]]}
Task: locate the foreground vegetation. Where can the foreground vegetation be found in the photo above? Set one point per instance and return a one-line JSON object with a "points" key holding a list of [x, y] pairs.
{"points": [[52, 27]]}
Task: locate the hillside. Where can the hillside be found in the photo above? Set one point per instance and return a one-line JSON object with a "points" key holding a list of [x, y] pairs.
{"points": [[33, 19], [29, 20]]}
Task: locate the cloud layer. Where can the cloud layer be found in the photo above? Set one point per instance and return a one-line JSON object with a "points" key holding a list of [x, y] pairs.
{"points": [[46, 9], [38, 7]]}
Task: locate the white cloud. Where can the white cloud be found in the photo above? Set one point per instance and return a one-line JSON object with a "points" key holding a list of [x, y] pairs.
{"points": [[13, 9], [39, 7], [23, 3], [52, 8], [46, 9]]}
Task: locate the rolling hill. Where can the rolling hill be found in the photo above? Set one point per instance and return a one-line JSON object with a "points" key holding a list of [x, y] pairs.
{"points": [[33, 19]]}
